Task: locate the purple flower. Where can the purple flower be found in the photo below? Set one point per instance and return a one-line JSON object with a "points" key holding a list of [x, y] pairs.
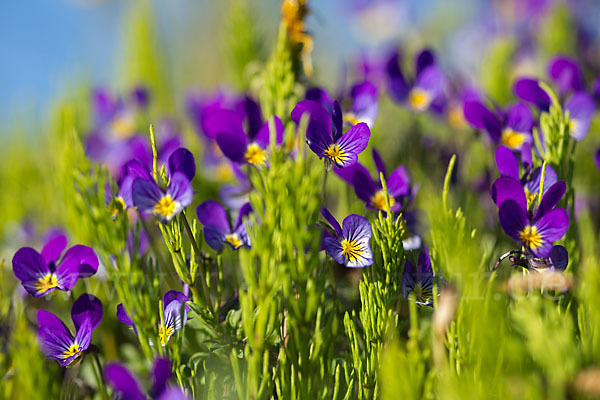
{"points": [[341, 148], [370, 190], [535, 227], [239, 144], [217, 229], [567, 75], [129, 388], [42, 273], [417, 283], [57, 342], [364, 105], [348, 244], [427, 87], [581, 107], [173, 305], [512, 128], [165, 205], [529, 90]]}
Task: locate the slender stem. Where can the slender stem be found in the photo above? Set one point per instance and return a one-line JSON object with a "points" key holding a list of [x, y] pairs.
{"points": [[199, 261], [97, 367]]}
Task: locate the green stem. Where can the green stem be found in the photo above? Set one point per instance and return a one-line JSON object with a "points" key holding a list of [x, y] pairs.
{"points": [[97, 367], [198, 255]]}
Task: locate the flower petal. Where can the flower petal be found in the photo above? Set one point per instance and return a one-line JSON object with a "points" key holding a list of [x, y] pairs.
{"points": [[180, 191], [263, 138], [29, 266], [551, 227], [123, 382], [507, 163], [550, 199], [318, 132], [211, 213], [332, 221], [354, 141], [161, 373], [79, 259], [55, 245], [507, 188], [182, 160], [146, 194], [123, 316], [513, 219], [519, 118], [559, 257], [396, 83], [173, 303], [529, 90], [87, 307]]}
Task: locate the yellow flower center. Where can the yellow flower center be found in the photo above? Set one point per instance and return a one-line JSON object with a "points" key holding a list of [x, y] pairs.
{"points": [[419, 99], [165, 334], [224, 172], [255, 155], [335, 153], [233, 240], [116, 206], [73, 350], [456, 117], [378, 200], [351, 118], [512, 139], [573, 125], [46, 283], [123, 126], [165, 207], [351, 250], [421, 294], [530, 237]]}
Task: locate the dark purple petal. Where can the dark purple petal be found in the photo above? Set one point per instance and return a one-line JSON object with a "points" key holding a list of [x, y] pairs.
{"points": [[123, 316], [354, 141], [54, 338], [507, 162], [338, 120], [332, 221], [211, 213], [250, 112], [181, 191], [29, 267], [182, 160], [320, 96], [123, 382], [146, 194], [161, 373], [476, 113], [86, 308], [244, 212], [214, 237], [48, 320], [519, 118], [581, 108], [506, 188], [346, 174], [567, 74], [529, 90], [397, 85], [526, 156], [318, 131], [379, 164], [83, 337], [550, 199], [233, 146], [54, 247], [364, 186], [559, 257], [513, 219], [222, 121], [424, 263], [80, 259], [263, 138], [333, 247], [597, 158], [398, 183], [424, 60], [551, 227]]}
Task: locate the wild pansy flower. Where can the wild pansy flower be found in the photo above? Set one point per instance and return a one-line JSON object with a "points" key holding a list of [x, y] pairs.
{"points": [[427, 87], [57, 342], [536, 228], [370, 190], [567, 75], [348, 244], [128, 386], [173, 304], [342, 149], [580, 105], [244, 144], [217, 229], [43, 273], [165, 205], [417, 283], [512, 127]]}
